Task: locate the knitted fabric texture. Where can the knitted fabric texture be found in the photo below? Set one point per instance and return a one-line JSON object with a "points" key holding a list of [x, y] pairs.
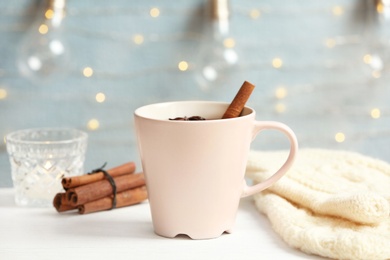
{"points": [[330, 203]]}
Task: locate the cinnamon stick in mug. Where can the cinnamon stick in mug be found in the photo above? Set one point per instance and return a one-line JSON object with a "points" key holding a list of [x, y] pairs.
{"points": [[235, 108], [124, 198], [100, 189], [75, 181]]}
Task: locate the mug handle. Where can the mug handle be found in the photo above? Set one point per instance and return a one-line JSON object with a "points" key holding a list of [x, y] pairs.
{"points": [[259, 126]]}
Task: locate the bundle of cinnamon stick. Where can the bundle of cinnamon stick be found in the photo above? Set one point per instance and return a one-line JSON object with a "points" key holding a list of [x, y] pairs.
{"points": [[95, 192]]}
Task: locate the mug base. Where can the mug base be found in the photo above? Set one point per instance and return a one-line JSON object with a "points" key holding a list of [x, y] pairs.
{"points": [[193, 236]]}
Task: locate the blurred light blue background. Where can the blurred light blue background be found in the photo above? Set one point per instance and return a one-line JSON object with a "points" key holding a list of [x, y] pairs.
{"points": [[325, 87]]}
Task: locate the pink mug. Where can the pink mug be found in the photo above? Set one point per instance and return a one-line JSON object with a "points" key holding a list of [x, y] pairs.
{"points": [[195, 170]]}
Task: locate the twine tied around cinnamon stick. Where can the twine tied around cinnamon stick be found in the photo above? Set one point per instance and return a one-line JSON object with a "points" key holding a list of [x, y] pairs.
{"points": [[110, 179]]}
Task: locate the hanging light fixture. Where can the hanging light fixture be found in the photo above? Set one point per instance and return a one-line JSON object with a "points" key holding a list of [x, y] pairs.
{"points": [[42, 53], [217, 54], [378, 36]]}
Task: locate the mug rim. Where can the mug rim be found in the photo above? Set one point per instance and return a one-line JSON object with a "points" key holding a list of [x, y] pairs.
{"points": [[139, 111], [80, 136]]}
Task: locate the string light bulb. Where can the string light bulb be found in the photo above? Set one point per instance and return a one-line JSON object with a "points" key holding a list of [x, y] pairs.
{"points": [[42, 53], [93, 124], [3, 93], [100, 97], [375, 113], [339, 137], [217, 56]]}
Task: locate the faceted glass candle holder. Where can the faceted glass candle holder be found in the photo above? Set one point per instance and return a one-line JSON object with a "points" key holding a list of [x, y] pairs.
{"points": [[40, 158]]}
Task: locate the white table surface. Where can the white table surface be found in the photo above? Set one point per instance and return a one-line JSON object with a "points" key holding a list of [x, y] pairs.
{"points": [[127, 233]]}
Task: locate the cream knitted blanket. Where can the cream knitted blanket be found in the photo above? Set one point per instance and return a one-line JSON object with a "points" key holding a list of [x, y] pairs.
{"points": [[331, 203]]}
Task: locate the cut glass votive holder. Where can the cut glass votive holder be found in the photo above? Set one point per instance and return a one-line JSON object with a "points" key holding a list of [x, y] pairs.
{"points": [[40, 158]]}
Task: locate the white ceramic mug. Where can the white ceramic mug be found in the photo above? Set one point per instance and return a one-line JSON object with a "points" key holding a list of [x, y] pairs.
{"points": [[195, 170]]}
